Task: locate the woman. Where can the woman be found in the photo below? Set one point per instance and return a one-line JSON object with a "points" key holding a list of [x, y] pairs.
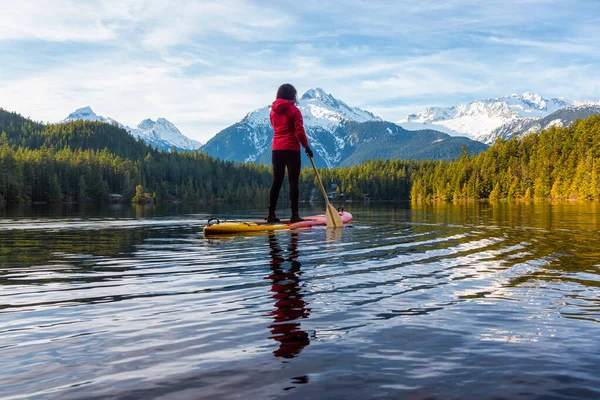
{"points": [[289, 135]]}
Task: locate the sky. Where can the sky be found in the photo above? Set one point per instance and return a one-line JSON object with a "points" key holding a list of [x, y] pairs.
{"points": [[203, 65]]}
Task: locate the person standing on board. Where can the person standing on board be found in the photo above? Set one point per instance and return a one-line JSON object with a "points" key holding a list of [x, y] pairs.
{"points": [[289, 134]]}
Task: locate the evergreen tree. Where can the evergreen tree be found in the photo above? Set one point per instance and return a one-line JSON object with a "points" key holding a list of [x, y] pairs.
{"points": [[82, 193], [89, 160], [56, 194]]}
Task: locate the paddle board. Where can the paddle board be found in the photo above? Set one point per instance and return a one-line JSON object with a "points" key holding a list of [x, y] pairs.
{"points": [[216, 226]]}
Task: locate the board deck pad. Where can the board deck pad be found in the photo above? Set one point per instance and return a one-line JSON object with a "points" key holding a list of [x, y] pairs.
{"points": [[223, 227], [281, 222]]}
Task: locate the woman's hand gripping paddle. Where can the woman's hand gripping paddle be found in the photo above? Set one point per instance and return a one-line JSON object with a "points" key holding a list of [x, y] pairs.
{"points": [[331, 214]]}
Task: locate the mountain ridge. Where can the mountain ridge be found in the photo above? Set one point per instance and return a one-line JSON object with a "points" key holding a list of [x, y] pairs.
{"points": [[332, 128], [161, 133], [479, 119], [326, 119], [525, 126]]}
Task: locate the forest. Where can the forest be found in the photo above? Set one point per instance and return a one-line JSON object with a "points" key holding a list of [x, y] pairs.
{"points": [[560, 163], [86, 161]]}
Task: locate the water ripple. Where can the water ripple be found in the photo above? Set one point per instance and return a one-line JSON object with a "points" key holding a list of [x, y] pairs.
{"points": [[420, 303]]}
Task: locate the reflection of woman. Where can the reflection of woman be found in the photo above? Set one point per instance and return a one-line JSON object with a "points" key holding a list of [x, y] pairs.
{"points": [[289, 303]]}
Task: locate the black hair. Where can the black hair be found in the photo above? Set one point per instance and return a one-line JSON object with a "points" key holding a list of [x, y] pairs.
{"points": [[288, 92]]}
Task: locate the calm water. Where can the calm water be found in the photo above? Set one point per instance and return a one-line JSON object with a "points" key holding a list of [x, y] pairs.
{"points": [[439, 302]]}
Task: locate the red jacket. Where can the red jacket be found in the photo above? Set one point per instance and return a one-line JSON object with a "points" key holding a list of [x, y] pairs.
{"points": [[288, 125]]}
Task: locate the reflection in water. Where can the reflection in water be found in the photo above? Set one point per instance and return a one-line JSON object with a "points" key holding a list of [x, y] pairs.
{"points": [[333, 235], [289, 303], [452, 301]]}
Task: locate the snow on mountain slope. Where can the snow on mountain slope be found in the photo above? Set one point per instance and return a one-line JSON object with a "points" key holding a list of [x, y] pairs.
{"points": [[322, 106], [480, 118], [319, 109], [86, 114], [160, 133], [340, 135], [507, 129], [165, 131], [322, 113], [561, 117], [587, 103]]}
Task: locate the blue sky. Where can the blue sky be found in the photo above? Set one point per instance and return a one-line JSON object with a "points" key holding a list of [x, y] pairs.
{"points": [[204, 65]]}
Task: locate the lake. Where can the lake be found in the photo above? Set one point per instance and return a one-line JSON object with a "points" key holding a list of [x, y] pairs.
{"points": [[440, 301]]}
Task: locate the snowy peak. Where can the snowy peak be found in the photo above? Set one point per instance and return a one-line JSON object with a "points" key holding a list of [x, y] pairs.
{"points": [[323, 117], [316, 93], [537, 102], [587, 103], [162, 133], [165, 131], [480, 118], [524, 126], [84, 113], [163, 123], [515, 105], [318, 109], [87, 114], [316, 103], [533, 100], [146, 124], [321, 95], [532, 103]]}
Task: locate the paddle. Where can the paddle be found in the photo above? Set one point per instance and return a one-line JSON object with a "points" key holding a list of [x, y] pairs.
{"points": [[331, 214]]}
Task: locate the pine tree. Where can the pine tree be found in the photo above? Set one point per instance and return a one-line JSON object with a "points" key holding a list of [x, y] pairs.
{"points": [[82, 193], [56, 194]]}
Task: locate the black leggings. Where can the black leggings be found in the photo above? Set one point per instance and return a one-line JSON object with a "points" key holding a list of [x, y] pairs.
{"points": [[281, 160]]}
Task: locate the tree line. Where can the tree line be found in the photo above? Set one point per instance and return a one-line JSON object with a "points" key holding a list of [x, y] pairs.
{"points": [[87, 160], [560, 163]]}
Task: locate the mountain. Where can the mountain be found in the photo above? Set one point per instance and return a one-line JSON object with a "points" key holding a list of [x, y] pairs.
{"points": [[250, 139], [524, 126], [86, 114], [338, 134], [160, 133], [385, 140], [86, 161], [164, 132], [479, 119]]}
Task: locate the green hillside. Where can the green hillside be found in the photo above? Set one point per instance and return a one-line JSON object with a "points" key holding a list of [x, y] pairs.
{"points": [[86, 161], [558, 163]]}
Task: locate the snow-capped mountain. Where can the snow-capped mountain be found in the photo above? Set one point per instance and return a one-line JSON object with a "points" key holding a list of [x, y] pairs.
{"points": [[163, 131], [525, 126], [479, 119], [334, 131], [322, 113], [160, 133], [86, 114], [319, 109]]}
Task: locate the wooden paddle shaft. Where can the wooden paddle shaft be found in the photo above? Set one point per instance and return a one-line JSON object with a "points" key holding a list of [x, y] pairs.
{"points": [[319, 180], [330, 210]]}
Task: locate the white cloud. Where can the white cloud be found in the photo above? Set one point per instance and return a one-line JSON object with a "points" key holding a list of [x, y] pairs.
{"points": [[204, 65], [60, 21], [559, 47], [159, 23], [129, 92]]}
